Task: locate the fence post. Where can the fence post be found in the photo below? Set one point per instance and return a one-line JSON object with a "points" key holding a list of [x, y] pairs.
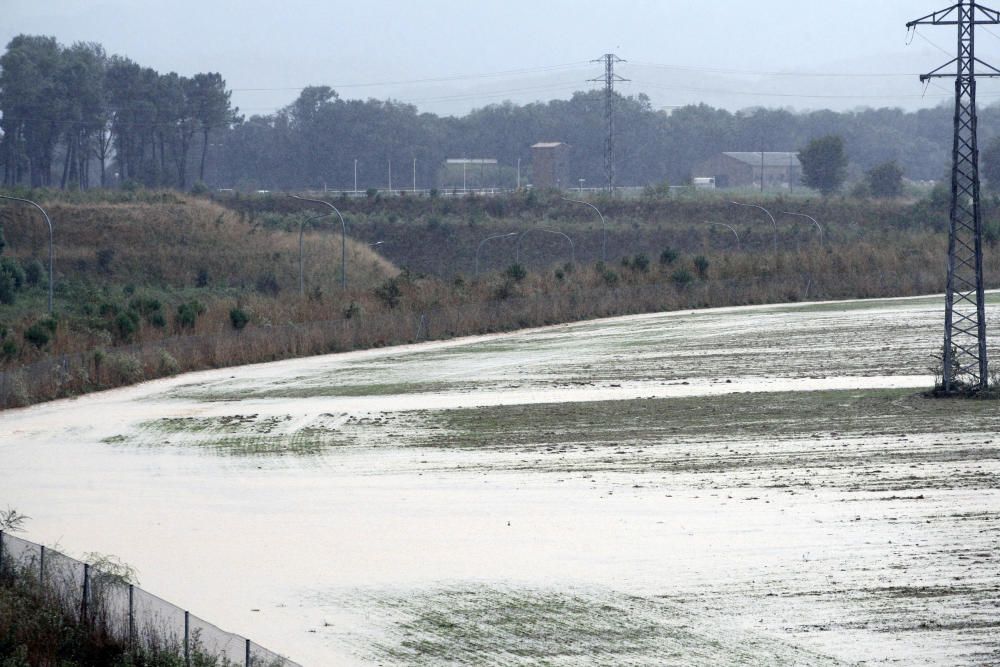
{"points": [[247, 659], [1, 552], [131, 616], [86, 593], [41, 565], [187, 639]]}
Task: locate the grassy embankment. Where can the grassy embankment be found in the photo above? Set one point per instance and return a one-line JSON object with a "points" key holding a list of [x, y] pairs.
{"points": [[149, 284]]}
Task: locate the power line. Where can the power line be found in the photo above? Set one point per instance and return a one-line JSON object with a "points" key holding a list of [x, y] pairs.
{"points": [[921, 36], [438, 79], [754, 93], [744, 72]]}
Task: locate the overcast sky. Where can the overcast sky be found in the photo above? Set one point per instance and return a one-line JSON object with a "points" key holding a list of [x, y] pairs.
{"points": [[448, 57]]}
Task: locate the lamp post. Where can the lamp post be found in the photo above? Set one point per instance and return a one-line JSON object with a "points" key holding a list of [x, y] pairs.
{"points": [[773, 222], [604, 226], [811, 219], [51, 243], [517, 247], [343, 237], [730, 228], [489, 238], [302, 227]]}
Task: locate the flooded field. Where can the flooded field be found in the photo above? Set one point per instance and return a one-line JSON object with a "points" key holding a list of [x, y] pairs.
{"points": [[752, 486]]}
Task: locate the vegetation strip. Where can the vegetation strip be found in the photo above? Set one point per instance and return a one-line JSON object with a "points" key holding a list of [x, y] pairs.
{"points": [[731, 416]]}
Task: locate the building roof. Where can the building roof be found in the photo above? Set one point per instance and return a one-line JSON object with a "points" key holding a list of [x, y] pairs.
{"points": [[548, 144], [771, 159]]}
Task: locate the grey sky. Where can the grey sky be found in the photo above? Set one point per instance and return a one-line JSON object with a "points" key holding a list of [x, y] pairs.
{"points": [[678, 52]]}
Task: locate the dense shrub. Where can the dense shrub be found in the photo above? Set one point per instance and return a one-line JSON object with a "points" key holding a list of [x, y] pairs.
{"points": [[701, 266], [10, 266], [108, 309], [516, 272], [668, 256], [145, 306], [353, 310], [681, 278], [34, 273], [188, 314], [238, 318], [126, 325], [167, 364], [38, 335], [267, 283], [124, 368], [389, 293]]}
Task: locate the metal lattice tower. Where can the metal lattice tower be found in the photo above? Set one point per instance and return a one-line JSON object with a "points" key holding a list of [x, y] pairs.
{"points": [[964, 358], [609, 79]]}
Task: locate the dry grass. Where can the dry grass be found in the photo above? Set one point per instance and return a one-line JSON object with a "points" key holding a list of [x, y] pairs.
{"points": [[171, 243], [251, 263]]}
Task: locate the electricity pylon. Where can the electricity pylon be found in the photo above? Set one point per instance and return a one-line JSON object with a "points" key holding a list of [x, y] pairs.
{"points": [[964, 358], [609, 79]]}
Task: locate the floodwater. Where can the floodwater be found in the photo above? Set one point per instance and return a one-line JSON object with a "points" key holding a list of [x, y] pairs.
{"points": [[552, 495]]}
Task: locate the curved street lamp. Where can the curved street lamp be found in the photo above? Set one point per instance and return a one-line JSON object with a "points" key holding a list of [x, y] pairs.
{"points": [[773, 221], [51, 245], [517, 247], [604, 225], [343, 237], [490, 238], [730, 228], [811, 219]]}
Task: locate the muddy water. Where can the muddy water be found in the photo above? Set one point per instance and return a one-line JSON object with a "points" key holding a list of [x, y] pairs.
{"points": [[352, 552]]}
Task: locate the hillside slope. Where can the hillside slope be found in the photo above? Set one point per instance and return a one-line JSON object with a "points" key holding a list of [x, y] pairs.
{"points": [[178, 241]]}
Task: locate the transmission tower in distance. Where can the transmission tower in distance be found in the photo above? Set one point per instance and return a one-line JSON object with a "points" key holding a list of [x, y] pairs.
{"points": [[964, 357], [609, 79]]}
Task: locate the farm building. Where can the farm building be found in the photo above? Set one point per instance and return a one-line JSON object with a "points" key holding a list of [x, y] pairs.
{"points": [[744, 169], [550, 164]]}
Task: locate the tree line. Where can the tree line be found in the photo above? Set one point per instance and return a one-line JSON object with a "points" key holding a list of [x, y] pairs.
{"points": [[70, 113], [315, 140], [76, 117]]}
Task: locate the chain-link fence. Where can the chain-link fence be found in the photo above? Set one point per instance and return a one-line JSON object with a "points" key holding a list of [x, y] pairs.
{"points": [[119, 611]]}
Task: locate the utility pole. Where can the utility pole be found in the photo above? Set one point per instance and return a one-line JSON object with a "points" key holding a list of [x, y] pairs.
{"points": [[609, 79], [762, 169], [964, 356]]}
